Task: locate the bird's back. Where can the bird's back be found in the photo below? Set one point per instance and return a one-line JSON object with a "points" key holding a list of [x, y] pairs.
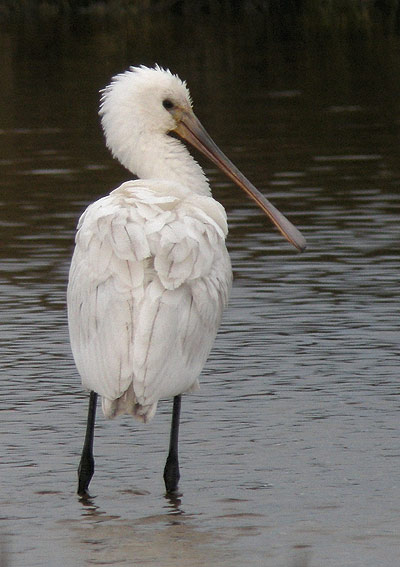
{"points": [[149, 279]]}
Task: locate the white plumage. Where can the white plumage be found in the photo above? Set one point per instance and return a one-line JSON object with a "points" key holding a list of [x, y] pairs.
{"points": [[150, 275], [149, 279]]}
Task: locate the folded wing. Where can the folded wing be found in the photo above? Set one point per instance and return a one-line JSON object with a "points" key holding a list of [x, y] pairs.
{"points": [[149, 279]]}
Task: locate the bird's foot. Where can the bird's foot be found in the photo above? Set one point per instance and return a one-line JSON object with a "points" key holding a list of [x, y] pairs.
{"points": [[171, 476], [83, 492], [85, 473]]}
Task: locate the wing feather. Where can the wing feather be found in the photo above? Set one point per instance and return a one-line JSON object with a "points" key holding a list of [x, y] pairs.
{"points": [[149, 279]]}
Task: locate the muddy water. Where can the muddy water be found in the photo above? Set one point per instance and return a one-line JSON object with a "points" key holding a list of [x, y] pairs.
{"points": [[290, 452]]}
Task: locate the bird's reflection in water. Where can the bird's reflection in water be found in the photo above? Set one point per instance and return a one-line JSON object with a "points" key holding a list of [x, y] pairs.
{"points": [[89, 508], [173, 504], [172, 535]]}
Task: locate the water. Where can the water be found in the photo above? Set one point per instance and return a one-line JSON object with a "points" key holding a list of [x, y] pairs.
{"points": [[290, 452]]}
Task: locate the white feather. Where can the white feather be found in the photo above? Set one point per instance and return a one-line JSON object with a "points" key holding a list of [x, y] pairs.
{"points": [[149, 279]]}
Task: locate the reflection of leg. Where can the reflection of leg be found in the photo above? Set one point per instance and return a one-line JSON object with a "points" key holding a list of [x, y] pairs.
{"points": [[171, 470], [86, 465]]}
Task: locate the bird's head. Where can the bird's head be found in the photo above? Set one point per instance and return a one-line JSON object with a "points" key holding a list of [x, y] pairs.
{"points": [[145, 102], [143, 99]]}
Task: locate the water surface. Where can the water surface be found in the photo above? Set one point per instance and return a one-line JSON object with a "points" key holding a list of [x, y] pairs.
{"points": [[290, 452]]}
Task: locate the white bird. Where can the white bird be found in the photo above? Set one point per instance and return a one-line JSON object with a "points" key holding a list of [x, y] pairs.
{"points": [[150, 274]]}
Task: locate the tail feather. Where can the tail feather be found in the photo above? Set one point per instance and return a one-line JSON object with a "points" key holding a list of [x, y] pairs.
{"points": [[128, 404]]}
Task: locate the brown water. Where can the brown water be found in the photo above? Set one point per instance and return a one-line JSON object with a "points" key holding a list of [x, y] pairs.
{"points": [[290, 453]]}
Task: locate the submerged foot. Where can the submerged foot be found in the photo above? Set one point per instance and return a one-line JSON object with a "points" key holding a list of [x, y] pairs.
{"points": [[85, 473], [171, 475]]}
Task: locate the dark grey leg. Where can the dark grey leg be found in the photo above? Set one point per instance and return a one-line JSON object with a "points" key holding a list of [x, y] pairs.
{"points": [[171, 470], [86, 465]]}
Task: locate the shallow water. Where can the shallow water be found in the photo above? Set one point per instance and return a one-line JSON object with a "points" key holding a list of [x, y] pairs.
{"points": [[290, 451]]}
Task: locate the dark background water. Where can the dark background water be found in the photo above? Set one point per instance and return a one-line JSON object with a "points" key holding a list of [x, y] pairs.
{"points": [[290, 453]]}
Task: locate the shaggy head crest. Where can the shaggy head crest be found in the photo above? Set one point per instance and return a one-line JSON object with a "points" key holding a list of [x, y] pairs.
{"points": [[136, 105]]}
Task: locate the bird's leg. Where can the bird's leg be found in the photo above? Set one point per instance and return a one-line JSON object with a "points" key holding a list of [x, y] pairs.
{"points": [[171, 470], [86, 464]]}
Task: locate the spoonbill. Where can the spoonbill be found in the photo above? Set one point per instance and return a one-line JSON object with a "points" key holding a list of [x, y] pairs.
{"points": [[150, 274]]}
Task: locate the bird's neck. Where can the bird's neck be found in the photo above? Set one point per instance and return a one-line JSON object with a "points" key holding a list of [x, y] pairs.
{"points": [[164, 157]]}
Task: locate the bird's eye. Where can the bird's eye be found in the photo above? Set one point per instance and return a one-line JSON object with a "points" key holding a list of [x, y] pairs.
{"points": [[168, 104]]}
